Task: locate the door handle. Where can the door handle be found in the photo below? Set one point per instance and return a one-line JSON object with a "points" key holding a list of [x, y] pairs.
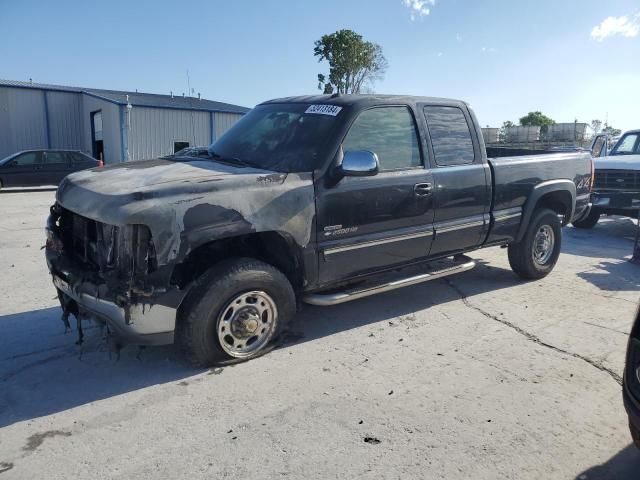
{"points": [[422, 189]]}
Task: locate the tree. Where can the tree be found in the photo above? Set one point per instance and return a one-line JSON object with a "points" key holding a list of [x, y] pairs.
{"points": [[537, 119], [613, 132], [502, 133], [353, 62], [596, 125]]}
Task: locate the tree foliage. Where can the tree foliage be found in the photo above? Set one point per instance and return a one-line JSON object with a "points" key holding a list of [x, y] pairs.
{"points": [[354, 63], [614, 132], [536, 119]]}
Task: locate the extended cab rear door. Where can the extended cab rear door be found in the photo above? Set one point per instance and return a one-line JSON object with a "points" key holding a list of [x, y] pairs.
{"points": [[462, 193], [371, 223]]}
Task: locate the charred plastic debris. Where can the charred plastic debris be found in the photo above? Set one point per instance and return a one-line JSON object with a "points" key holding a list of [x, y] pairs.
{"points": [[114, 263]]}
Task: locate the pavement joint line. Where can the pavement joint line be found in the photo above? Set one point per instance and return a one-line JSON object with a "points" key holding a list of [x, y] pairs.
{"points": [[531, 336], [626, 334], [588, 292]]}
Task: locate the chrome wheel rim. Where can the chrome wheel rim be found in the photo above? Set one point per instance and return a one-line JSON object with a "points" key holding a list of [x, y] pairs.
{"points": [[246, 324], [543, 244]]}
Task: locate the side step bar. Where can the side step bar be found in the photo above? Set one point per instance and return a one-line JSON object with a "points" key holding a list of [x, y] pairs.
{"points": [[462, 264]]}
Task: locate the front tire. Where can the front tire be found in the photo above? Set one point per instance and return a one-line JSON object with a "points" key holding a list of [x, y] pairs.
{"points": [[537, 253], [589, 221], [235, 311]]}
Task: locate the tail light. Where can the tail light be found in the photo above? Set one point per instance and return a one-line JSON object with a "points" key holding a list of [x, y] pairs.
{"points": [[593, 174]]}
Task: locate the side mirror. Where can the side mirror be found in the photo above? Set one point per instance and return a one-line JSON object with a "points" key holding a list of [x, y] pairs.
{"points": [[12, 163], [359, 163]]}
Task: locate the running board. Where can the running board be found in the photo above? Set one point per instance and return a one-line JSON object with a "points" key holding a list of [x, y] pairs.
{"points": [[461, 263]]}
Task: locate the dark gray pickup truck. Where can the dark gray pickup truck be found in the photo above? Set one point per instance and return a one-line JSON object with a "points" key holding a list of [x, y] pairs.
{"points": [[319, 199]]}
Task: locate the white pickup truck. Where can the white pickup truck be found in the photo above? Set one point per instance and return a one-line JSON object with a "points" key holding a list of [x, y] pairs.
{"points": [[616, 187]]}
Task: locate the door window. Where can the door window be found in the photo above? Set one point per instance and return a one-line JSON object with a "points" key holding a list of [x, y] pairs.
{"points": [[450, 135], [30, 158], [54, 157], [390, 133], [596, 151], [77, 158]]}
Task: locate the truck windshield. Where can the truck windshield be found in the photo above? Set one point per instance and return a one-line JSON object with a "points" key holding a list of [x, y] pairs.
{"points": [[629, 144], [278, 137]]}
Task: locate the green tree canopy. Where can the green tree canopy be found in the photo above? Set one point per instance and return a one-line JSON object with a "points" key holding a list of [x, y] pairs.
{"points": [[536, 119], [353, 62], [614, 132]]}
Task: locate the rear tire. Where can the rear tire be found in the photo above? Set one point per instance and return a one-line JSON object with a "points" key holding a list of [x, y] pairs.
{"points": [[537, 253], [589, 221], [235, 311]]}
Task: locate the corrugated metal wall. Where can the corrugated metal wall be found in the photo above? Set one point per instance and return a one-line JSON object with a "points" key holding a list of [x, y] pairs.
{"points": [[153, 131], [65, 121], [110, 127], [22, 120], [224, 121]]}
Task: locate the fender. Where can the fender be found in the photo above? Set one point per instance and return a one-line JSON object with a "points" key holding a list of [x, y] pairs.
{"points": [[540, 191]]}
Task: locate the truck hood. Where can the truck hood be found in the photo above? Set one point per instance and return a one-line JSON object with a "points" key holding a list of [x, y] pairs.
{"points": [[618, 162], [185, 203]]}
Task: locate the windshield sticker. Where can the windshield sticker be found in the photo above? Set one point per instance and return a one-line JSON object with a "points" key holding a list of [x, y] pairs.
{"points": [[324, 110]]}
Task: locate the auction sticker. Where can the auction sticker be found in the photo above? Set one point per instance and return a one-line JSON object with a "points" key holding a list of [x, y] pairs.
{"points": [[324, 110]]}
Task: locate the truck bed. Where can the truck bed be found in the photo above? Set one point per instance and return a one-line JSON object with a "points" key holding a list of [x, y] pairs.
{"points": [[515, 178]]}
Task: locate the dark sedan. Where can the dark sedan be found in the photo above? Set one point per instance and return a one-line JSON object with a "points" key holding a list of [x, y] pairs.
{"points": [[33, 168]]}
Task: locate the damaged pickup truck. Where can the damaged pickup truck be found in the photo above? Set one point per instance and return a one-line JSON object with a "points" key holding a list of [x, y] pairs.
{"points": [[319, 199]]}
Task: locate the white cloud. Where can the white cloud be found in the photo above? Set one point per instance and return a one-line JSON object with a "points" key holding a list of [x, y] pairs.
{"points": [[627, 26], [439, 54], [419, 8], [458, 37]]}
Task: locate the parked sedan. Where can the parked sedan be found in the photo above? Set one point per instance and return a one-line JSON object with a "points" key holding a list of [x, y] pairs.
{"points": [[32, 168]]}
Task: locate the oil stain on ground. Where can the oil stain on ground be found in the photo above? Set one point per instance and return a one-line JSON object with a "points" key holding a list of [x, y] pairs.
{"points": [[37, 439]]}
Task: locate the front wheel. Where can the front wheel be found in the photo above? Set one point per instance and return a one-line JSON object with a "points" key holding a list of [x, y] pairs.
{"points": [[589, 221], [537, 253], [235, 311]]}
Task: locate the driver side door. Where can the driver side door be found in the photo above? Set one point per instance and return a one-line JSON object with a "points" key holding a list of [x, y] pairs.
{"points": [[377, 222]]}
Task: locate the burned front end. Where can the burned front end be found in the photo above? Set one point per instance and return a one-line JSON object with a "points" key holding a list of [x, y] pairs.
{"points": [[109, 273]]}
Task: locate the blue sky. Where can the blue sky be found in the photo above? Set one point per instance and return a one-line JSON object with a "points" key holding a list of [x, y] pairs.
{"points": [[506, 57]]}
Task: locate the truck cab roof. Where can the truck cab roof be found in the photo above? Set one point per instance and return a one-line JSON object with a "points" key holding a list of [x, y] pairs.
{"points": [[365, 101]]}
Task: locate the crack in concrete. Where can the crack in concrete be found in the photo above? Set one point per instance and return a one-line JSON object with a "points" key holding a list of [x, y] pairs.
{"points": [[531, 337]]}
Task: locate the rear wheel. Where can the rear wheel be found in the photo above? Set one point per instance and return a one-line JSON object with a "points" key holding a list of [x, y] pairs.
{"points": [[589, 221], [235, 311], [537, 253]]}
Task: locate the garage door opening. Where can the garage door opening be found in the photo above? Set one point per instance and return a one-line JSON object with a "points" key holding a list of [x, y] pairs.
{"points": [[97, 144]]}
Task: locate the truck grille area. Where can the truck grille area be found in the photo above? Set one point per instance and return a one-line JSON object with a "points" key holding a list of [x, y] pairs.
{"points": [[126, 251], [617, 180]]}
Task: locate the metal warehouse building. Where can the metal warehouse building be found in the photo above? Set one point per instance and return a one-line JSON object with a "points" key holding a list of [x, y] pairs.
{"points": [[117, 126]]}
